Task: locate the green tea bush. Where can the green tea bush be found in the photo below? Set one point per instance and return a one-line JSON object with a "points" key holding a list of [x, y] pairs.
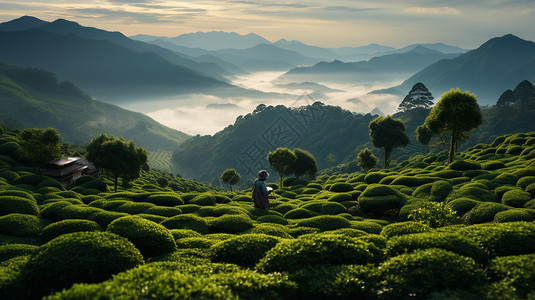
{"points": [[67, 226], [515, 215], [314, 186], [402, 228], [195, 242], [325, 222], [505, 178], [167, 199], [68, 194], [463, 165], [474, 193], [244, 250], [453, 242], [341, 187], [14, 204], [340, 197], [78, 257], [299, 213], [516, 198], [493, 165], [367, 226], [189, 208], [332, 209], [313, 205], [104, 218], [271, 229], [448, 174], [299, 231], [183, 233], [351, 232], [517, 271], [434, 214], [10, 176], [221, 198], [462, 205], [404, 276], [378, 199], [203, 200], [406, 180], [153, 218], [484, 212], [436, 191], [13, 250], [317, 250], [388, 179], [503, 239], [231, 224], [284, 208], [247, 284], [150, 238], [187, 221], [90, 198], [525, 181], [148, 282], [374, 177], [272, 219], [164, 211], [20, 225], [134, 208]]}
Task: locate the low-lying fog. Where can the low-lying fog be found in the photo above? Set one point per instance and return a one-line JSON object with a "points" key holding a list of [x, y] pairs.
{"points": [[205, 114]]}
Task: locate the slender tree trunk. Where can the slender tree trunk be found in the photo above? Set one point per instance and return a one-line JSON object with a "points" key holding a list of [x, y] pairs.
{"points": [[453, 148], [280, 181], [388, 152]]}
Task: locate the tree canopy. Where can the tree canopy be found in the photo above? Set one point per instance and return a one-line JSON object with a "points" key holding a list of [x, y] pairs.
{"points": [[305, 163], [40, 145], [456, 113], [366, 160], [282, 161], [230, 177], [388, 133], [118, 157], [419, 96]]}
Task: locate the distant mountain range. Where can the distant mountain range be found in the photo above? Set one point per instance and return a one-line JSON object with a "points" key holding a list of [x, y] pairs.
{"points": [[35, 98], [380, 68], [108, 65], [487, 71]]}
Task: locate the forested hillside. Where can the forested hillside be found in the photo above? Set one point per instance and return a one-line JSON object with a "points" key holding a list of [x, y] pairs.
{"points": [[36, 98]]}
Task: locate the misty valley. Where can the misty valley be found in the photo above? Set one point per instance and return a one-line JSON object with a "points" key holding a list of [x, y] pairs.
{"points": [[218, 165]]}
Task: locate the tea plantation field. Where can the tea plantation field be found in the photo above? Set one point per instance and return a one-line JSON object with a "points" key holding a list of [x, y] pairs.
{"points": [[422, 230]]}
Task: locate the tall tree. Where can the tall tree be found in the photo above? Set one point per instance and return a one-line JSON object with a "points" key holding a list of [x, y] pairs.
{"points": [[230, 177], [118, 157], [366, 160], [282, 161], [456, 113], [419, 96], [305, 163], [388, 133], [423, 135], [40, 145]]}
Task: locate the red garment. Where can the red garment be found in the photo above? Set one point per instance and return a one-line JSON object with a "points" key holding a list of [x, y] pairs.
{"points": [[260, 200]]}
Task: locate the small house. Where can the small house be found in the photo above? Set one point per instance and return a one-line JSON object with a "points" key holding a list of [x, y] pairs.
{"points": [[67, 170]]}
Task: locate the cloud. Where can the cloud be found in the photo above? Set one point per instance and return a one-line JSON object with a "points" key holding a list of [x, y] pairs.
{"points": [[222, 106]]}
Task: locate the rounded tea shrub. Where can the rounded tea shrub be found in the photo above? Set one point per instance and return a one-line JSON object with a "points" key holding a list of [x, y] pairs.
{"points": [[14, 204], [448, 241], [150, 238], [183, 233], [409, 227], [517, 270], [378, 199], [244, 250], [167, 199], [503, 239], [67, 226], [420, 273], [231, 224], [299, 213], [187, 221], [271, 229], [272, 219], [473, 192], [317, 250], [341, 187], [9, 251], [332, 208], [463, 165], [525, 181], [462, 205], [484, 212], [78, 257], [340, 197], [516, 198], [367, 226], [325, 222], [195, 242], [515, 215], [203, 200], [20, 225]]}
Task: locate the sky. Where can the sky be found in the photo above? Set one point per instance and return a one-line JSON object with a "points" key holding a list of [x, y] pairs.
{"points": [[332, 23]]}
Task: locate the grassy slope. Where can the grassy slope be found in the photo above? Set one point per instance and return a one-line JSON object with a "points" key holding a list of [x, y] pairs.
{"points": [[41, 101], [480, 178]]}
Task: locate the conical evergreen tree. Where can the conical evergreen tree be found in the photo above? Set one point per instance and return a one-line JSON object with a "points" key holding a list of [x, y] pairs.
{"points": [[419, 96], [524, 91], [507, 98]]}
